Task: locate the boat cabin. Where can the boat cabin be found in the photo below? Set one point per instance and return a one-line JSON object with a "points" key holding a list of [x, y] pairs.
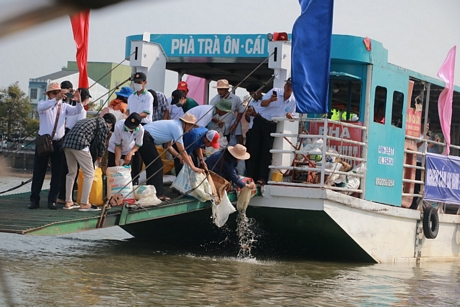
{"points": [[378, 112]]}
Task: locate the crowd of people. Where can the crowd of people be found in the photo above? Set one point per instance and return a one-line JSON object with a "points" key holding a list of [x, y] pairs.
{"points": [[139, 121]]}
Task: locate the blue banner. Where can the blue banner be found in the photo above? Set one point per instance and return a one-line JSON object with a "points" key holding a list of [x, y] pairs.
{"points": [[311, 53], [442, 179]]}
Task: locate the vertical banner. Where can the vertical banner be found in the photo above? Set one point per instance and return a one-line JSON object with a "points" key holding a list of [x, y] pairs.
{"points": [[196, 88], [442, 179], [446, 74], [311, 56], [80, 28]]}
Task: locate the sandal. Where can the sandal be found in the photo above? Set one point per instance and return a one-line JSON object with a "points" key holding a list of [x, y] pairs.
{"points": [[261, 182], [90, 209], [71, 206], [164, 198]]}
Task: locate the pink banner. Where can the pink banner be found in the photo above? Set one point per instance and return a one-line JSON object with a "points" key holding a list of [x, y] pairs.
{"points": [[446, 74], [196, 88]]}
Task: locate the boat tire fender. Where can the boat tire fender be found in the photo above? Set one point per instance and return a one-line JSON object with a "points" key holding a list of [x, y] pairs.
{"points": [[430, 222]]}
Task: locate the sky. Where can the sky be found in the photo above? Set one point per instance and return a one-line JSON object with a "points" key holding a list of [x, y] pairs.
{"points": [[417, 33]]}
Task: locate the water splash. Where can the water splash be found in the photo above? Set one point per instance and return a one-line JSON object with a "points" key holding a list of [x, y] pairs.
{"points": [[246, 236]]}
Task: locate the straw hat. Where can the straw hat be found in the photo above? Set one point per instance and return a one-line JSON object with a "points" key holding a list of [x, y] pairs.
{"points": [[188, 119], [222, 83], [239, 152], [53, 86]]}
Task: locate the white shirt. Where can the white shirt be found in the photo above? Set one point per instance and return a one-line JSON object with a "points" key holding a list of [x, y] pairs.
{"points": [[124, 138], [47, 111], [203, 114], [141, 103], [71, 120], [277, 108], [256, 105]]}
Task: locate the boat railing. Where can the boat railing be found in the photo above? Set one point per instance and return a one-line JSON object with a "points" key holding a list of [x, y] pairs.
{"points": [[302, 160]]}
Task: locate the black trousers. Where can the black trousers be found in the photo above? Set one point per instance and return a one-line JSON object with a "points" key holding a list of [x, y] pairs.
{"points": [[150, 156], [259, 147], [40, 167]]}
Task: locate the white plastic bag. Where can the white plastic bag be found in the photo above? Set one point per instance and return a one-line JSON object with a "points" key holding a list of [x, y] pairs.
{"points": [[119, 182], [354, 182], [190, 183], [146, 195], [221, 212]]}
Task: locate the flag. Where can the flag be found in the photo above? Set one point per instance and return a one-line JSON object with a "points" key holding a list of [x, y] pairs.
{"points": [[196, 88], [80, 28], [311, 56], [446, 74]]}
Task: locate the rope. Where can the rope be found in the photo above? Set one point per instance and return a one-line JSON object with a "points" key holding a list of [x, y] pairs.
{"points": [[17, 187]]}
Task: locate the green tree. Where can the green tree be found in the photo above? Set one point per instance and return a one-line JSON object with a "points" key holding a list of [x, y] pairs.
{"points": [[14, 109]]}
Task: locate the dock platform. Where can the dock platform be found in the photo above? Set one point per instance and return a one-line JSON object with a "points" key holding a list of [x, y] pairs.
{"points": [[15, 217]]}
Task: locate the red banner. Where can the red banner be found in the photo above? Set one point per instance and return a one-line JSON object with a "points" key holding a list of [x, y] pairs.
{"points": [[413, 120], [80, 28]]}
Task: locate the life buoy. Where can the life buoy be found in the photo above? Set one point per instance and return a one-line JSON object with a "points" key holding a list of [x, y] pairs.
{"points": [[430, 222]]}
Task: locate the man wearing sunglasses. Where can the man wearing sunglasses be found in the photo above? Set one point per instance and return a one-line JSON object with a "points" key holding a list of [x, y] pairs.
{"points": [[52, 112]]}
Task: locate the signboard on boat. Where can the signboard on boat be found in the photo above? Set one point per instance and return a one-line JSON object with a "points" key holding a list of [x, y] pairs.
{"points": [[208, 45], [442, 179]]}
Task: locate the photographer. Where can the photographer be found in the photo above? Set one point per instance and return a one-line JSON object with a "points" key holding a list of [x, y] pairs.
{"points": [[52, 112]]}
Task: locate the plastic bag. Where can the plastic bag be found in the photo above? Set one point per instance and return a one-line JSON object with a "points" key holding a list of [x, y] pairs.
{"points": [[354, 182], [221, 212], [119, 181], [190, 183], [146, 195]]}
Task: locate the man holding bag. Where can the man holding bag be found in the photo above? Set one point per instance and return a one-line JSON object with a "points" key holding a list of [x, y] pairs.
{"points": [[52, 113], [76, 147]]}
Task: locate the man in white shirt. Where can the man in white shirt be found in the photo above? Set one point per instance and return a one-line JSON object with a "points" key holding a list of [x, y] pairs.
{"points": [[253, 107], [278, 102], [141, 101], [52, 112], [232, 125], [125, 141]]}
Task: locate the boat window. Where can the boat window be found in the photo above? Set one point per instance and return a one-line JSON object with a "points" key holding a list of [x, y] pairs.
{"points": [[380, 104], [397, 107], [345, 96]]}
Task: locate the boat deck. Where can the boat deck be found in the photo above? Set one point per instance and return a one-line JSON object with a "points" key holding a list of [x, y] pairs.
{"points": [[15, 217]]}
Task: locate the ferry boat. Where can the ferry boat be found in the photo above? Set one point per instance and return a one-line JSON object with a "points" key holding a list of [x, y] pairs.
{"points": [[361, 212]]}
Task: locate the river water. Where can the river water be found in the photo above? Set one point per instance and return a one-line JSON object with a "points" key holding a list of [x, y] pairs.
{"points": [[110, 268]]}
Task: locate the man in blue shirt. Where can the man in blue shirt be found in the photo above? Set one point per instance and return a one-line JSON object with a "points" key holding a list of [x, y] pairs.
{"points": [[195, 141]]}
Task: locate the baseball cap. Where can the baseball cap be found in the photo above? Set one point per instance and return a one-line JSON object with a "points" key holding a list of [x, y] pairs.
{"points": [[213, 137], [84, 93], [182, 86], [139, 76], [133, 120], [176, 96]]}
